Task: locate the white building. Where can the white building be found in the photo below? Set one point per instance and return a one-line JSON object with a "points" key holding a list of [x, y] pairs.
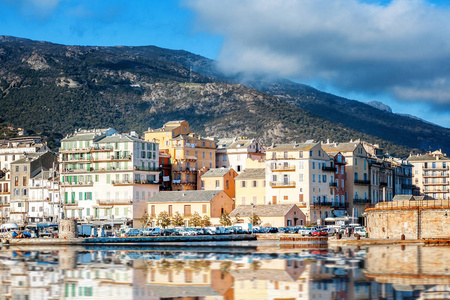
{"points": [[5, 181], [44, 201], [233, 153], [15, 148], [301, 174], [108, 176]]}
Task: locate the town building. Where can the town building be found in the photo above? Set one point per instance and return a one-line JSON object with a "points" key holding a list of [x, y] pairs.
{"points": [[5, 182], [431, 174], [188, 153], [301, 174], [234, 152], [357, 181], [381, 180], [22, 171], [274, 215], [165, 182], [220, 179], [402, 176], [207, 203], [108, 176], [339, 204], [251, 187], [44, 203], [15, 148]]}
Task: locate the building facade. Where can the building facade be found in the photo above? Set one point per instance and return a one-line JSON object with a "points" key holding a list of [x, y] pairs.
{"points": [[301, 174], [108, 176], [220, 179], [234, 152], [431, 174]]}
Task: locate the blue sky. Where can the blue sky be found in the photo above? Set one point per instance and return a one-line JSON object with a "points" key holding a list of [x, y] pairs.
{"points": [[394, 51]]}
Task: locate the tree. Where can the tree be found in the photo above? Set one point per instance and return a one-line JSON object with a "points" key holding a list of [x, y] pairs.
{"points": [[206, 221], [177, 219], [225, 219], [255, 220], [236, 219], [196, 220], [163, 219], [146, 219]]}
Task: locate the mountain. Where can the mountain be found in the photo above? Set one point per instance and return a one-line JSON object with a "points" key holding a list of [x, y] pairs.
{"points": [[380, 105], [54, 89]]}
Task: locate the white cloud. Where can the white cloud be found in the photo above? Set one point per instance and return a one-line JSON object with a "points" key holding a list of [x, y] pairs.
{"points": [[401, 48]]}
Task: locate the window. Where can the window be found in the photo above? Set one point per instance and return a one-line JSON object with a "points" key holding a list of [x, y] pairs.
{"points": [[285, 198], [204, 208], [324, 179], [187, 210], [313, 177], [217, 184], [243, 184], [170, 210], [254, 183], [300, 177], [16, 181], [310, 153], [227, 185], [313, 165]]}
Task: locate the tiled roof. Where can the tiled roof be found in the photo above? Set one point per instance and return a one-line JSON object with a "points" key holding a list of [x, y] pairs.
{"points": [[273, 210], [340, 147], [188, 137], [263, 274], [189, 291], [252, 174], [403, 197], [294, 147], [28, 158], [218, 172], [427, 157], [183, 196]]}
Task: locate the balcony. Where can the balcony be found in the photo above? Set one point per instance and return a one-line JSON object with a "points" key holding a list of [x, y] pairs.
{"points": [[328, 168], [365, 181], [408, 186], [146, 182], [333, 184], [285, 157], [76, 184], [185, 170], [383, 183], [361, 201], [290, 184], [435, 183], [115, 202], [72, 203], [436, 169], [339, 205], [102, 149], [175, 181], [436, 175], [282, 168], [322, 203]]}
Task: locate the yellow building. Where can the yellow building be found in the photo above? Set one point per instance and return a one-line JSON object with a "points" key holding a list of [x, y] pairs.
{"points": [[251, 187], [219, 179], [188, 153], [207, 203]]}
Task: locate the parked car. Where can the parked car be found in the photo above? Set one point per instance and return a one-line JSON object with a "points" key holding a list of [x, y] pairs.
{"points": [[133, 232], [156, 231], [320, 232], [306, 231], [361, 231]]}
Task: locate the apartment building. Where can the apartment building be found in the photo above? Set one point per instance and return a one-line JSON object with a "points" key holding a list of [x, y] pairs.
{"points": [[339, 204], [357, 181], [165, 183], [188, 153], [22, 171], [431, 174], [381, 180], [403, 182], [44, 203], [108, 176], [220, 179], [5, 182], [15, 148], [301, 174], [233, 153]]}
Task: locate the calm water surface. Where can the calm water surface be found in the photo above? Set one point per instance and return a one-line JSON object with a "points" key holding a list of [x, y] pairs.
{"points": [[214, 273]]}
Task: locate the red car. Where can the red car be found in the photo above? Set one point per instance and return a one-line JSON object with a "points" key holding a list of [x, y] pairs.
{"points": [[320, 232]]}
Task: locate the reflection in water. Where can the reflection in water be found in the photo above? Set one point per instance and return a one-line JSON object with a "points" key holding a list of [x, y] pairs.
{"points": [[374, 273]]}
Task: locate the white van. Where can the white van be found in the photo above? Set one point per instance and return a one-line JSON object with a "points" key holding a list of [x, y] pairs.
{"points": [[7, 227]]}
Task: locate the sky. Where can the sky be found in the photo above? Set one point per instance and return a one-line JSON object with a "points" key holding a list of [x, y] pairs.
{"points": [[393, 51]]}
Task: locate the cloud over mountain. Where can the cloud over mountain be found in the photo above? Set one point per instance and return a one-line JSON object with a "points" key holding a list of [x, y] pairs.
{"points": [[400, 48]]}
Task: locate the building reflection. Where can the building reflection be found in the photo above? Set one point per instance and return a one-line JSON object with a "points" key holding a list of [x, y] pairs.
{"points": [[375, 273]]}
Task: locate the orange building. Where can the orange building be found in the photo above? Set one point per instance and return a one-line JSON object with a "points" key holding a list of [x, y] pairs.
{"points": [[220, 179]]}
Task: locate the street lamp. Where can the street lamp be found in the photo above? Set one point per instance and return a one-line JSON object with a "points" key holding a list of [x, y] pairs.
{"points": [[253, 219]]}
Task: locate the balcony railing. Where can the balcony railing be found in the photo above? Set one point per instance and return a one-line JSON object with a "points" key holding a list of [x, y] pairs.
{"points": [[115, 201], [436, 183], [436, 175], [289, 184], [328, 168], [339, 205], [408, 186], [383, 183], [365, 181], [282, 168], [435, 169], [333, 184], [322, 203], [361, 201]]}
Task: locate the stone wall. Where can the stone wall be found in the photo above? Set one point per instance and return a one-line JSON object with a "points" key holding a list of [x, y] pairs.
{"points": [[68, 229], [416, 221]]}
